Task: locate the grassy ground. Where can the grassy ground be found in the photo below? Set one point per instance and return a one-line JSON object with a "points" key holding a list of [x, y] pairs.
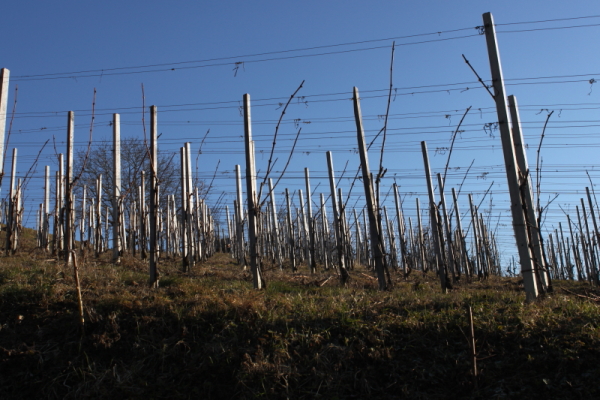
{"points": [[209, 335]]}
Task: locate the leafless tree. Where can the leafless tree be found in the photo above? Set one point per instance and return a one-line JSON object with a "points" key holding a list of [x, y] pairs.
{"points": [[134, 160]]}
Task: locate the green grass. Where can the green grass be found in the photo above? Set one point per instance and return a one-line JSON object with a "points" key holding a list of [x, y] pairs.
{"points": [[208, 334]]}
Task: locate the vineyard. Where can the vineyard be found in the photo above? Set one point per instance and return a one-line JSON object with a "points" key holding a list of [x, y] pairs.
{"points": [[135, 282]]}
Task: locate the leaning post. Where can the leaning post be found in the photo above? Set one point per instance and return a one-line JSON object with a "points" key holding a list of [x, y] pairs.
{"points": [[153, 281], [527, 266], [257, 278], [68, 223], [4, 80], [374, 215], [116, 188]]}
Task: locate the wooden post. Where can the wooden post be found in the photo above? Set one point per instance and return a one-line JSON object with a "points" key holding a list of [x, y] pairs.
{"points": [[142, 225], [311, 224], [303, 228], [463, 245], [391, 237], [257, 278], [527, 266], [584, 247], [132, 226], [116, 214], [46, 208], [4, 80], [274, 222], [106, 231], [325, 233], [68, 227], [189, 206], [229, 231], [357, 239], [10, 223], [567, 250], [153, 281], [420, 239], [373, 211], [596, 232], [202, 223], [525, 186], [183, 208], [367, 251], [82, 235], [447, 229], [472, 344], [575, 251], [240, 218], [290, 231], [401, 232], [98, 217], [590, 245], [478, 267], [55, 214], [434, 221], [336, 220]]}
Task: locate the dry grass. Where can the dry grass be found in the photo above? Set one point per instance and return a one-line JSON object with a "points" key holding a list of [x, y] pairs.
{"points": [[209, 335]]}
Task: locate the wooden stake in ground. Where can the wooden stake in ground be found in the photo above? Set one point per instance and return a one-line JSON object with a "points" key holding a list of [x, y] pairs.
{"points": [[274, 222], [472, 344], [526, 194], [239, 221], [447, 229], [189, 206], [311, 226], [68, 246], [336, 221], [596, 232], [438, 244], [290, 231], [527, 266], [4, 79], [464, 258], [116, 188], [10, 222], [98, 218], [153, 281], [257, 278], [77, 287], [373, 213], [46, 207]]}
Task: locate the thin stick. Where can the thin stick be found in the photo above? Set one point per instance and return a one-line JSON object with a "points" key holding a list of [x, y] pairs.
{"points": [[285, 168], [78, 287], [592, 186], [538, 169], [213, 179], [478, 77], [387, 112], [460, 189], [472, 344], [324, 282], [198, 155], [269, 164], [89, 148], [27, 177], [479, 205], [452, 144]]}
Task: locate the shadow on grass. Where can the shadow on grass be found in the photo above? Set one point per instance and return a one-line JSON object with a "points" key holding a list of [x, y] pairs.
{"points": [[227, 353]]}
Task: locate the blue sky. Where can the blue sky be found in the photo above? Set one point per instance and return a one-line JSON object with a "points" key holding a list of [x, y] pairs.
{"points": [[431, 79]]}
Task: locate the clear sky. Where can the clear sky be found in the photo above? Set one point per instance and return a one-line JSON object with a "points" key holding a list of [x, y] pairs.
{"points": [[185, 55]]}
